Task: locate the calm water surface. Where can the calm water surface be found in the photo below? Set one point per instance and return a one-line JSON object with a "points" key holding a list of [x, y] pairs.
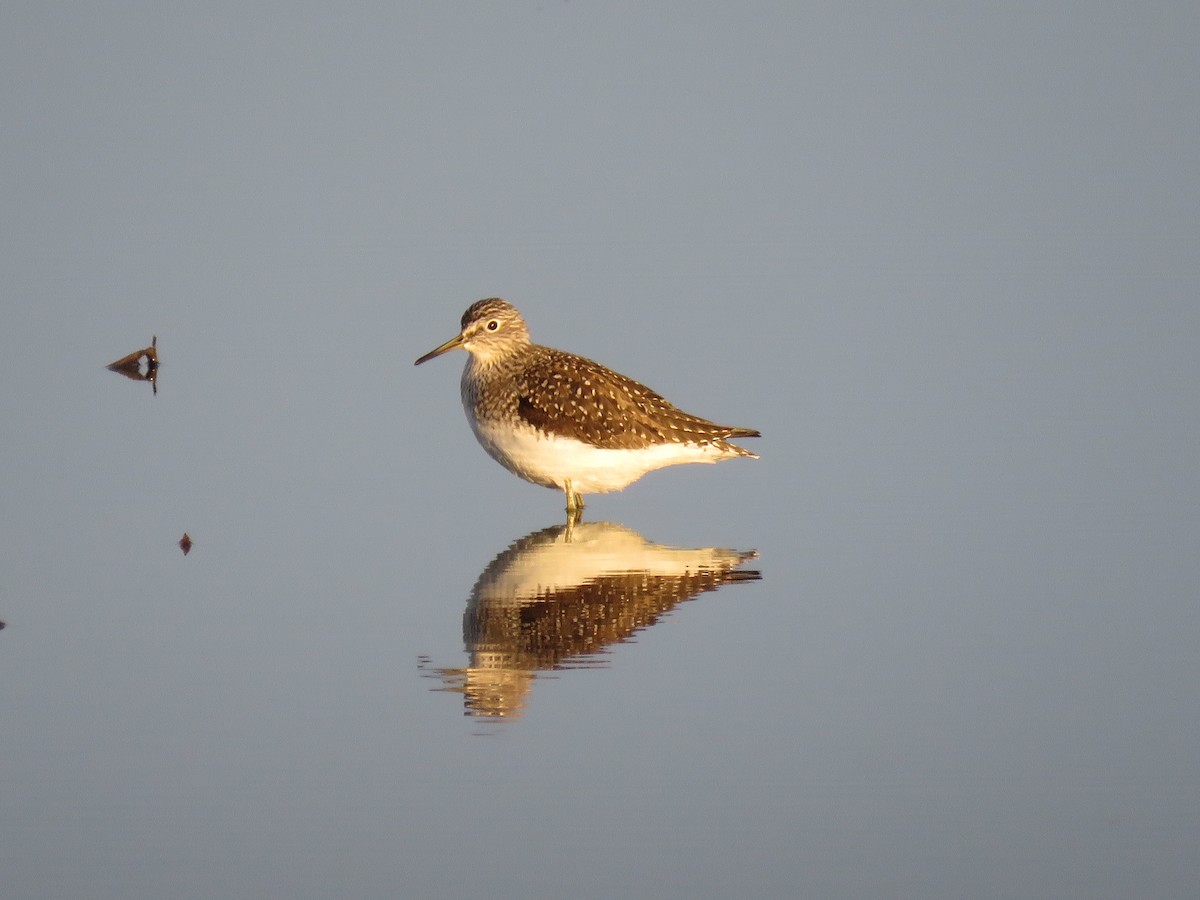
{"points": [[940, 641], [959, 658]]}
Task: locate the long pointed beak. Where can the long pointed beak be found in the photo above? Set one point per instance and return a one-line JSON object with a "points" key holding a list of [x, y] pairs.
{"points": [[452, 344]]}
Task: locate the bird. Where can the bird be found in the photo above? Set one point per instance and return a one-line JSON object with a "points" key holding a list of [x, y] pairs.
{"points": [[564, 421]]}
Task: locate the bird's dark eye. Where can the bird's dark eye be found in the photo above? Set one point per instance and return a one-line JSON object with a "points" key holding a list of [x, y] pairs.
{"points": [[493, 325]]}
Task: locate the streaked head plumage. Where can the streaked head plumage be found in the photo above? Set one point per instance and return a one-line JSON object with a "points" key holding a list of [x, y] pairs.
{"points": [[490, 329]]}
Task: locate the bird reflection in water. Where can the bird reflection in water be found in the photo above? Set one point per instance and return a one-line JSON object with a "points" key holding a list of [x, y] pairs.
{"points": [[561, 597], [140, 365]]}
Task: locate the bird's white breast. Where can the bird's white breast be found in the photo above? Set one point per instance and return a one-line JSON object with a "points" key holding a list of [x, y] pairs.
{"points": [[552, 461]]}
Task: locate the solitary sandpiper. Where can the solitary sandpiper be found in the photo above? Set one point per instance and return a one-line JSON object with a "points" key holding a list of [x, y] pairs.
{"points": [[563, 421]]}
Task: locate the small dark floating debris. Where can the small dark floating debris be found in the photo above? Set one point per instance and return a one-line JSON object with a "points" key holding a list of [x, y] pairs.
{"points": [[1, 625], [140, 365], [185, 544]]}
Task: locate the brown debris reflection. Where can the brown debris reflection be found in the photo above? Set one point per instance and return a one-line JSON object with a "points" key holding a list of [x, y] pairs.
{"points": [[140, 365], [185, 544], [560, 598]]}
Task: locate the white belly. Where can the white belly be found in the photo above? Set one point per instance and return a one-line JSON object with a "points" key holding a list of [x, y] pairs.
{"points": [[553, 461]]}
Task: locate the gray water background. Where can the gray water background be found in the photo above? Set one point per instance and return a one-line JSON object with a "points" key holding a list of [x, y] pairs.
{"points": [[944, 256]]}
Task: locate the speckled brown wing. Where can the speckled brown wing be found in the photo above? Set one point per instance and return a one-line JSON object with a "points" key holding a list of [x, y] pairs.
{"points": [[573, 396]]}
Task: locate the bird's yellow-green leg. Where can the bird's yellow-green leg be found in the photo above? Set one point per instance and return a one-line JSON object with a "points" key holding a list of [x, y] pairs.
{"points": [[574, 500]]}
